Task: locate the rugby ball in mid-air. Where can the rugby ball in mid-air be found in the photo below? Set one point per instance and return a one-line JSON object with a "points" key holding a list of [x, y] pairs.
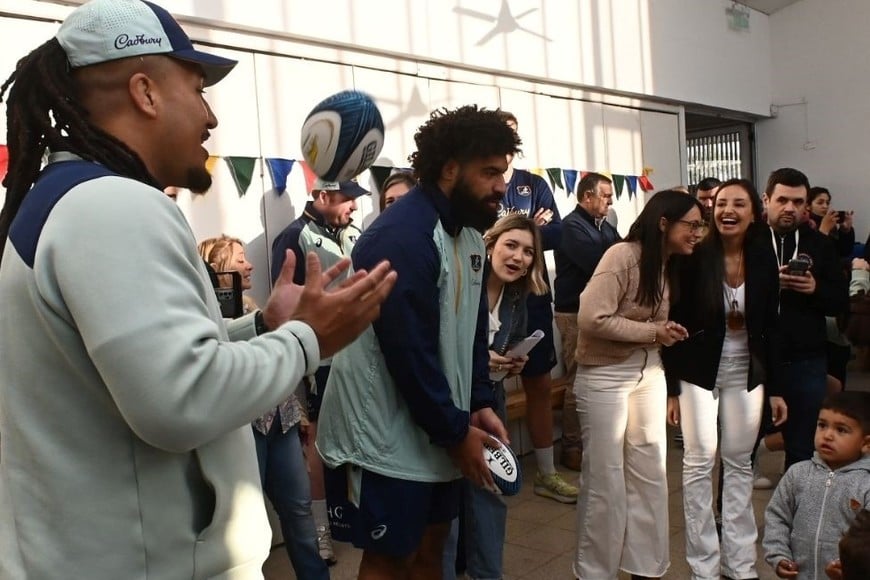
{"points": [[503, 465], [342, 136]]}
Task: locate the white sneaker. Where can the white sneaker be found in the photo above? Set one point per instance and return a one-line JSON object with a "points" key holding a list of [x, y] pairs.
{"points": [[759, 480]]}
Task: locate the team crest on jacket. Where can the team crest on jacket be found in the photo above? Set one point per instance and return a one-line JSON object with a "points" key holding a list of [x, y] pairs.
{"points": [[476, 262], [524, 190]]}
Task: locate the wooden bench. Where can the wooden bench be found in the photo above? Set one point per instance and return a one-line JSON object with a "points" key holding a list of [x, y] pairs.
{"points": [[516, 400]]}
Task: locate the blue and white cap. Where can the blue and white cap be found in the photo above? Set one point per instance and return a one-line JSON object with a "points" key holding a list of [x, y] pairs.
{"points": [[105, 30]]}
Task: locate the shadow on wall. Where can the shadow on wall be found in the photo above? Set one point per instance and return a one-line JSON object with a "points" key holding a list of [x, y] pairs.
{"points": [[276, 213]]}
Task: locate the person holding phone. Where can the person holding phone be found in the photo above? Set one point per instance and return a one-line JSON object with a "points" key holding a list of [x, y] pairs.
{"points": [[514, 269], [727, 300], [812, 286], [277, 439], [837, 225]]}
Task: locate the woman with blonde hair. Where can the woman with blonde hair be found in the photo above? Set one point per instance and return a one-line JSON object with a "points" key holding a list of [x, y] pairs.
{"points": [[514, 269], [283, 473], [227, 254]]}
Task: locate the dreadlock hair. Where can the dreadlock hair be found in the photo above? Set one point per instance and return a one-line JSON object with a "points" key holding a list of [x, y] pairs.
{"points": [[460, 135], [43, 112]]}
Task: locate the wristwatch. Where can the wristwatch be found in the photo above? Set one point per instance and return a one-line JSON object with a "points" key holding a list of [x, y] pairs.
{"points": [[260, 323]]}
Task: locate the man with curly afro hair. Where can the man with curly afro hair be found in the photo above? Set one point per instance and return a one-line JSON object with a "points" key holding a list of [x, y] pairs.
{"points": [[409, 404]]}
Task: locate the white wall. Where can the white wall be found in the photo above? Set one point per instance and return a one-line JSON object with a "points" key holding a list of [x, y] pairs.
{"points": [[822, 86], [672, 49], [262, 104]]}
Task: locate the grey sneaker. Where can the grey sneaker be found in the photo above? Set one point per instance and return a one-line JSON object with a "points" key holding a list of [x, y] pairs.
{"points": [[324, 545]]}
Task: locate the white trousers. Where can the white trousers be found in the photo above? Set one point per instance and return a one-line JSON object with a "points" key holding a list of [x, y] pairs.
{"points": [[622, 509], [739, 415]]}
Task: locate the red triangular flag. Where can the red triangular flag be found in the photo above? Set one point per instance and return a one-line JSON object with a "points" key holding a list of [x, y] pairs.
{"points": [[4, 161], [645, 183], [310, 176]]}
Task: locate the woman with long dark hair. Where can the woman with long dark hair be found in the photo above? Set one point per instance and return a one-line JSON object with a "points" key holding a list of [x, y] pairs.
{"points": [[622, 508], [728, 300]]}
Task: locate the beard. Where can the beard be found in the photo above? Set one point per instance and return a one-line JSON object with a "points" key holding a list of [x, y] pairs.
{"points": [[784, 226], [198, 180], [707, 214], [471, 211]]}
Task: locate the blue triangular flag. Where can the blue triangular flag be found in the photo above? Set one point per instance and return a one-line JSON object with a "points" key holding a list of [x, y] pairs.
{"points": [[631, 181], [279, 169], [570, 180]]}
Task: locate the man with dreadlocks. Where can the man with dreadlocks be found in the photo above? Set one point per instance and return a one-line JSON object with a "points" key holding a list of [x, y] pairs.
{"points": [[124, 408], [409, 404]]}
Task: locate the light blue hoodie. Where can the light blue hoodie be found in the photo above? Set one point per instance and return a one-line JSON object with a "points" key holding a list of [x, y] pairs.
{"points": [[810, 511]]}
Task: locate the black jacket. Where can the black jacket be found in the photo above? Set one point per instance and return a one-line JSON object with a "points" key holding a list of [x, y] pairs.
{"points": [[844, 241], [802, 316], [696, 359], [577, 255]]}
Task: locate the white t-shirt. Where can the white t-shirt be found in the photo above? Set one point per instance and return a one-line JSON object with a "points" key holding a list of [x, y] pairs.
{"points": [[494, 322], [736, 341]]}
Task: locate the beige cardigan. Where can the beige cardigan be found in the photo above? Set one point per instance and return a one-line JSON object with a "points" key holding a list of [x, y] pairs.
{"points": [[611, 323]]}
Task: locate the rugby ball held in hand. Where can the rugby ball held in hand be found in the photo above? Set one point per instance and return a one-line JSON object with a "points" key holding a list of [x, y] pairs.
{"points": [[503, 465], [342, 136]]}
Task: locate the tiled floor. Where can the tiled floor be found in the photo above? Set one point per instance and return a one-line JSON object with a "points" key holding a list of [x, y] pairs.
{"points": [[540, 532]]}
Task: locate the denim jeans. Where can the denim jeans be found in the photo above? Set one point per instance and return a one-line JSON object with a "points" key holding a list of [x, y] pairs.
{"points": [[805, 383], [285, 481], [483, 517]]}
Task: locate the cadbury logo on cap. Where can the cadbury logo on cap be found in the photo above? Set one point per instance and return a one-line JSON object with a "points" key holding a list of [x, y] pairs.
{"points": [[124, 41]]}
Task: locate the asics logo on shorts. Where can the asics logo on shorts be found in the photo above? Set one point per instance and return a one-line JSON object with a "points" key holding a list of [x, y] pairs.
{"points": [[379, 532]]}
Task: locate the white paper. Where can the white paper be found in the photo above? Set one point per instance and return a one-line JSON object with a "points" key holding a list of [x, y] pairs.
{"points": [[521, 348]]}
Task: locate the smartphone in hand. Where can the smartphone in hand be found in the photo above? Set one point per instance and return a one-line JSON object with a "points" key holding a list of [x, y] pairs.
{"points": [[797, 267]]}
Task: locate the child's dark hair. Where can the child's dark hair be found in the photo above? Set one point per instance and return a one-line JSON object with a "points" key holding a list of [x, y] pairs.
{"points": [[852, 404], [854, 552]]}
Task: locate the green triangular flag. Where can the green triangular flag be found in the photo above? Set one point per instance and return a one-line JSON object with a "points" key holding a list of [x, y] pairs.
{"points": [[242, 169], [380, 174], [618, 182], [555, 174]]}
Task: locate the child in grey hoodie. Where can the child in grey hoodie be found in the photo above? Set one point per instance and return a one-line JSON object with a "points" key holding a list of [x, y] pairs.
{"points": [[817, 500]]}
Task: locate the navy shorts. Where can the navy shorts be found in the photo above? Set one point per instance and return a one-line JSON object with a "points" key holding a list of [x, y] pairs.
{"points": [[542, 358], [315, 387], [393, 514]]}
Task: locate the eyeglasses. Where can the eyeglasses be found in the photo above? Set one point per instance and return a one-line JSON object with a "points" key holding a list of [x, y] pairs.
{"points": [[695, 226]]}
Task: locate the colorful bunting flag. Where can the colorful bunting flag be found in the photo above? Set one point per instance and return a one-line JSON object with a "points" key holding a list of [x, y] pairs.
{"points": [[645, 183], [583, 174], [242, 169], [380, 175], [618, 183], [555, 175], [4, 161], [538, 171], [570, 180], [631, 182], [279, 169], [210, 163], [310, 176]]}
